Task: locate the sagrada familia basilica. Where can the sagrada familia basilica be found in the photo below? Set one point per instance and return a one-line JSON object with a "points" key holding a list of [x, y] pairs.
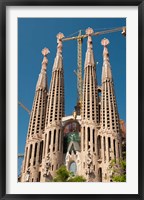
{"points": [[85, 142]]}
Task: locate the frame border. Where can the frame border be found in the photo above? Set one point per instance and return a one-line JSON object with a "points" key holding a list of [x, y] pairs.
{"points": [[3, 5]]}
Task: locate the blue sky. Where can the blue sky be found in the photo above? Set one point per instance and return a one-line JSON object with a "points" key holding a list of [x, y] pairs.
{"points": [[36, 33]]}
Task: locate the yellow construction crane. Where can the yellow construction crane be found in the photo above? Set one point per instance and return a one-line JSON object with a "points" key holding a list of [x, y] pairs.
{"points": [[25, 108], [20, 155], [79, 39]]}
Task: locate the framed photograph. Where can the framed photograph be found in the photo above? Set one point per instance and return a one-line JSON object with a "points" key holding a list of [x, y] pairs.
{"points": [[71, 105]]}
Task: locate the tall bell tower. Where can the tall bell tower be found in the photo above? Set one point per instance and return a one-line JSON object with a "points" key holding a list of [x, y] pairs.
{"points": [[89, 116], [53, 136], [109, 134], [34, 141]]}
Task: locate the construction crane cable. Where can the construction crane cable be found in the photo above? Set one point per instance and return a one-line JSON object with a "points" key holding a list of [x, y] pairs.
{"points": [[73, 34], [106, 28]]}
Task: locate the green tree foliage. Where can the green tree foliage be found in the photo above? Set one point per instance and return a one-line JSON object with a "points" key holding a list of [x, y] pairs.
{"points": [[77, 179], [63, 175], [118, 170]]}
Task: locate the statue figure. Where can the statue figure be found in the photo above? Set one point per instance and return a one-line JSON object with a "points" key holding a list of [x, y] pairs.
{"points": [[89, 168], [27, 176], [47, 166]]}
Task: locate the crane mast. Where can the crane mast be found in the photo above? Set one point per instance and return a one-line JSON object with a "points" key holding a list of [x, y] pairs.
{"points": [[24, 107], [79, 68], [21, 155]]}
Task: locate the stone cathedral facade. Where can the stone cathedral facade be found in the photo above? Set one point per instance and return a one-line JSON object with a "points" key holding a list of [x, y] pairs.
{"points": [[84, 142]]}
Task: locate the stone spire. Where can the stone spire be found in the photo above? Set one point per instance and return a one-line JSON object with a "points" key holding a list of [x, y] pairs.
{"points": [[89, 103], [90, 113], [58, 58], [42, 80], [55, 106], [111, 119], [34, 142], [110, 138], [53, 146], [106, 73], [89, 60]]}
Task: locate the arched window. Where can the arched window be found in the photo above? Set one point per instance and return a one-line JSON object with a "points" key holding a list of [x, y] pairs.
{"points": [[100, 174], [35, 153], [99, 146], [114, 145], [73, 167], [88, 134], [84, 138], [41, 151], [104, 143], [30, 155]]}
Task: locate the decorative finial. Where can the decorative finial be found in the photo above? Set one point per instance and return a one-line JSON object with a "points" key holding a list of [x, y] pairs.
{"points": [[45, 51], [105, 42], [89, 31], [60, 36], [59, 42]]}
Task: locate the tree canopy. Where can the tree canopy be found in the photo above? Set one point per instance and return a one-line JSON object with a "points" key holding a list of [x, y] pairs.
{"points": [[118, 170], [63, 175]]}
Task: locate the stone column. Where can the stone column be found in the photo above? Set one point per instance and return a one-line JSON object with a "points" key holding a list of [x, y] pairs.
{"points": [[28, 154], [32, 155], [37, 153]]}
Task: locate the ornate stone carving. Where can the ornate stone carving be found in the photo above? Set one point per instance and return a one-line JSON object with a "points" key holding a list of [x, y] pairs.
{"points": [[89, 31], [47, 166], [89, 164], [105, 42], [27, 176], [45, 51], [59, 42]]}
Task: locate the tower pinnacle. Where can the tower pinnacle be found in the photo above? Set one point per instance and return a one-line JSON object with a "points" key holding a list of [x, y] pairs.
{"points": [[89, 32], [45, 52], [58, 59], [105, 43], [42, 80], [59, 42], [89, 54], [106, 72]]}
